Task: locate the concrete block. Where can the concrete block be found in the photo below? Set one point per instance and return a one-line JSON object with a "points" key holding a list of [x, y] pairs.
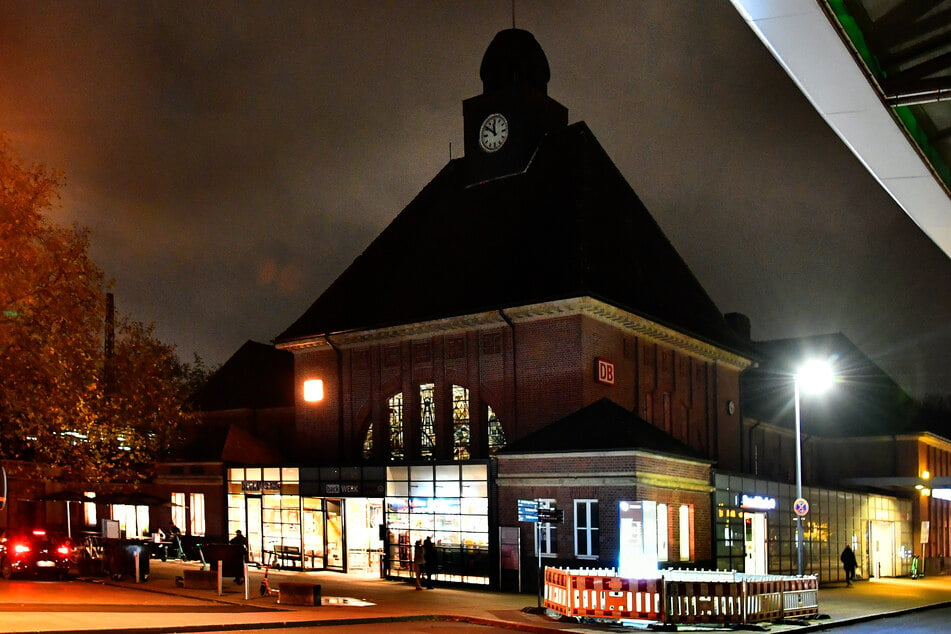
{"points": [[201, 579], [296, 593]]}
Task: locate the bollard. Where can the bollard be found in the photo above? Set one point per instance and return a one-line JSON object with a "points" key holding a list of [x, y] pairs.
{"points": [[135, 559], [220, 592]]}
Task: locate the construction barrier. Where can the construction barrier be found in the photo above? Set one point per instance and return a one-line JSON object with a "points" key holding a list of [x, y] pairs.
{"points": [[711, 597], [800, 597]]}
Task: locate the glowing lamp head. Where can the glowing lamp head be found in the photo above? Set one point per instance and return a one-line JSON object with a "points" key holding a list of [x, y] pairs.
{"points": [[313, 390], [815, 377]]}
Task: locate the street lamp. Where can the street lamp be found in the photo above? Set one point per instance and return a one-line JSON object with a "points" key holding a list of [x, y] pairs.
{"points": [[813, 377]]}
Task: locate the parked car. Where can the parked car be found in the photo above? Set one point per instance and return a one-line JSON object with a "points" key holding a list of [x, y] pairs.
{"points": [[34, 552]]}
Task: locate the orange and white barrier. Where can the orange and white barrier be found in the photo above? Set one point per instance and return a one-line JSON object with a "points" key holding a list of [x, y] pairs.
{"points": [[731, 598]]}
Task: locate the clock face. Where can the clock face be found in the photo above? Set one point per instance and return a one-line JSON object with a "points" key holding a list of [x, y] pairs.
{"points": [[493, 132]]}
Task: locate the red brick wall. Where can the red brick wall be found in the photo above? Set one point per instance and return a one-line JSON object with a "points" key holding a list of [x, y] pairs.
{"points": [[531, 373], [615, 467]]}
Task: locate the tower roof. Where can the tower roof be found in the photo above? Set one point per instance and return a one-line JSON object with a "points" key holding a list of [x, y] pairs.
{"points": [[514, 59], [568, 226]]}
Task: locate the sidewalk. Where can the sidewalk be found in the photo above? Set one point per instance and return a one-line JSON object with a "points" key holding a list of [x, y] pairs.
{"points": [[160, 605]]}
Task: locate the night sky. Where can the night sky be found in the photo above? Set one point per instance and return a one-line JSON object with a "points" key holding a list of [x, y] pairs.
{"points": [[232, 158]]}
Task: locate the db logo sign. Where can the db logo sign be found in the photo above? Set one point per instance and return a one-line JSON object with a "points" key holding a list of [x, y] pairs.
{"points": [[604, 371]]}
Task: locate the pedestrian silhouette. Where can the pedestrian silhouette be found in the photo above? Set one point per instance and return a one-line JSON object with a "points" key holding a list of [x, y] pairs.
{"points": [[429, 553], [419, 562], [848, 562]]}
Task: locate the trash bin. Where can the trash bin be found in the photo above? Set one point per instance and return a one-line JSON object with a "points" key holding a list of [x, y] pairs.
{"points": [[231, 557], [119, 559]]}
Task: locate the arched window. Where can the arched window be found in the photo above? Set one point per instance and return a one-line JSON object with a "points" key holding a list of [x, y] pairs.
{"points": [[461, 427]]}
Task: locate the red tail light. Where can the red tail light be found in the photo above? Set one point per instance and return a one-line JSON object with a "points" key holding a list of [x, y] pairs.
{"points": [[63, 550], [21, 548]]}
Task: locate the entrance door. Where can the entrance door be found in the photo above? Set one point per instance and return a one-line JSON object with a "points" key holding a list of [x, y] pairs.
{"points": [[754, 525], [255, 536], [882, 547], [313, 535], [336, 543]]}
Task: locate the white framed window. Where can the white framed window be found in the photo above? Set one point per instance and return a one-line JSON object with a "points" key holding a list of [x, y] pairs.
{"points": [[685, 532], [90, 517], [178, 510], [546, 533], [586, 529], [196, 502], [663, 537]]}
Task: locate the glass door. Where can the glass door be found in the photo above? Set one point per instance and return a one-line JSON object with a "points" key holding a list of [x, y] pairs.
{"points": [[313, 526], [336, 544], [254, 534]]}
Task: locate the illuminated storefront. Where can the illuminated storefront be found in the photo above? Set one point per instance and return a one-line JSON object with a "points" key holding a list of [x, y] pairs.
{"points": [[755, 526], [322, 518]]}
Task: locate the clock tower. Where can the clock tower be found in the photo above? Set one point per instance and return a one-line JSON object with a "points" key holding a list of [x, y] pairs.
{"points": [[504, 125]]}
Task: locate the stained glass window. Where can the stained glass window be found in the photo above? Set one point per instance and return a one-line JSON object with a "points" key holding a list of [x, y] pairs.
{"points": [[461, 426], [496, 433], [396, 426], [427, 419], [368, 443], [460, 423]]}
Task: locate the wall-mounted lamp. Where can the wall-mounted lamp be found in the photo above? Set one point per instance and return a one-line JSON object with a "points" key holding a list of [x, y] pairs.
{"points": [[925, 474], [313, 390]]}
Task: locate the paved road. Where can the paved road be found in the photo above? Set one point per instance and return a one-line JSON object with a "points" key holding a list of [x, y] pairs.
{"points": [[354, 603], [923, 621]]}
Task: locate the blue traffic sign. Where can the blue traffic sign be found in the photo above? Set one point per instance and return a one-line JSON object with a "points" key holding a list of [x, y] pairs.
{"points": [[528, 510]]}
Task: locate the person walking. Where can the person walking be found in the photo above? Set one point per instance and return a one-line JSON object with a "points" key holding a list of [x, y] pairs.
{"points": [[419, 563], [429, 553], [175, 534], [240, 540], [849, 564]]}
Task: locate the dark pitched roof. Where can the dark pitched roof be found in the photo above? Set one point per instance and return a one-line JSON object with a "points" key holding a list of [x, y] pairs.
{"points": [[863, 401], [569, 226], [602, 426], [229, 444], [257, 376]]}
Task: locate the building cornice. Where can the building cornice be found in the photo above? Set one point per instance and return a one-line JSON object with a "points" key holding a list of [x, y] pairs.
{"points": [[604, 479], [585, 306], [613, 453]]}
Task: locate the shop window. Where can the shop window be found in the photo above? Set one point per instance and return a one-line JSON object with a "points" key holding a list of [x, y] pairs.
{"points": [[586, 529], [196, 503]]}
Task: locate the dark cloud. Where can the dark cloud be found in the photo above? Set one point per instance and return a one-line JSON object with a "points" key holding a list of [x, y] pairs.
{"points": [[231, 158]]}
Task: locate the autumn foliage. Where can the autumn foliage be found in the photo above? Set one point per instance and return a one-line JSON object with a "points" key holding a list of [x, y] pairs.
{"points": [[63, 404]]}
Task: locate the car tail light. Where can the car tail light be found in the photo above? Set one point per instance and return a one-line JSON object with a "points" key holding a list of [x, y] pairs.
{"points": [[21, 548], [63, 550]]}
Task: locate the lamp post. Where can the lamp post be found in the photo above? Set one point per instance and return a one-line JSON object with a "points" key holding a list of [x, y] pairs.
{"points": [[813, 377]]}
